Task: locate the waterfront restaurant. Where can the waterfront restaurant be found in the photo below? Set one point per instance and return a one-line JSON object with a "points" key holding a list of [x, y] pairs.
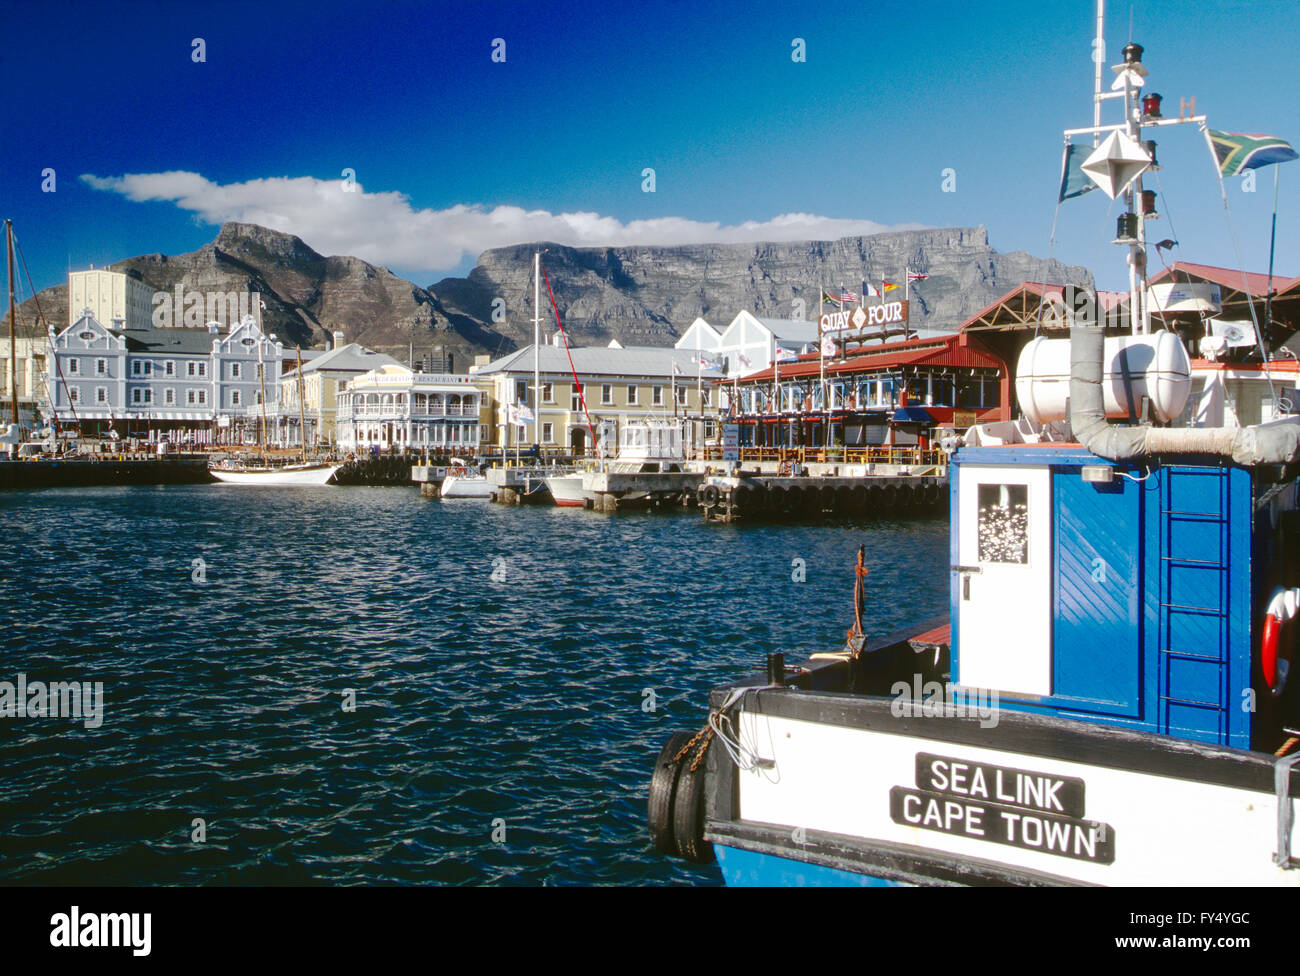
{"points": [[892, 395], [395, 407]]}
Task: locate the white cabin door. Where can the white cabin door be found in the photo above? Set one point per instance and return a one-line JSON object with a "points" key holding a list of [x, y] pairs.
{"points": [[1004, 578]]}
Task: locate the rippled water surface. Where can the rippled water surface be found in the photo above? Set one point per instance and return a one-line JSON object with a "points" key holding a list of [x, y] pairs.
{"points": [[482, 704]]}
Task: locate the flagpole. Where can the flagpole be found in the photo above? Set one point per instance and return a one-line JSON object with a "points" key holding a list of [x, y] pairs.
{"points": [[1272, 243]]}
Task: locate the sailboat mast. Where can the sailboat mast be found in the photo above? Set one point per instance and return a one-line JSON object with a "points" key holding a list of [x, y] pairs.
{"points": [[13, 341], [261, 381], [302, 412], [537, 338], [1098, 60]]}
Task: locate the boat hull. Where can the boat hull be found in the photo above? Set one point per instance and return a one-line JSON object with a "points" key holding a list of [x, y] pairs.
{"points": [[300, 476], [461, 486], [567, 490], [859, 790]]}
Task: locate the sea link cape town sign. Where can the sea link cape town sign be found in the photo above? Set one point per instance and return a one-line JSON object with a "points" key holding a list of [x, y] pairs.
{"points": [[886, 313]]}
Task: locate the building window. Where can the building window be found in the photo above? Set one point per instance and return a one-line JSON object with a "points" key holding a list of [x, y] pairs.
{"points": [[101, 394], [548, 433], [74, 395], [548, 393], [234, 371], [631, 396], [681, 395], [657, 396], [708, 397], [191, 369], [148, 396], [521, 391], [203, 369], [189, 398], [74, 367], [575, 398], [101, 367], [606, 394], [203, 397], [169, 368], [169, 396], [708, 430], [135, 395], [234, 398]]}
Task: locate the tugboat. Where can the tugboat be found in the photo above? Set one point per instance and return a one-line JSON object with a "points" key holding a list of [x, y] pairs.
{"points": [[1107, 702]]}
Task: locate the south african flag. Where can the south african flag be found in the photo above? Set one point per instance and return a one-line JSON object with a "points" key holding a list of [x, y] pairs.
{"points": [[1240, 151]]}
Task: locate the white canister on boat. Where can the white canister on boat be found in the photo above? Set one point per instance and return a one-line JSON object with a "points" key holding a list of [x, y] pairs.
{"points": [[1154, 366]]}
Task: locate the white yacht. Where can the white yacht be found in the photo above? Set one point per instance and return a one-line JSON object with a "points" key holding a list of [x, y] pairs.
{"points": [[462, 481]]}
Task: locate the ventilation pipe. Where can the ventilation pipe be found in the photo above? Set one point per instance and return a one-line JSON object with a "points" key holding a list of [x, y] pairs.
{"points": [[1273, 443]]}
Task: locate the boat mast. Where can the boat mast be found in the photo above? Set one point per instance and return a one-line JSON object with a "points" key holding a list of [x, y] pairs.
{"points": [[13, 341], [302, 415], [537, 338], [261, 382]]}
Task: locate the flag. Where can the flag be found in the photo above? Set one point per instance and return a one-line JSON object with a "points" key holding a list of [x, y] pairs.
{"points": [[1240, 151], [870, 290], [518, 414], [784, 355], [917, 276], [677, 370], [1074, 181], [707, 363], [847, 296], [887, 286], [829, 299], [525, 413], [744, 361], [828, 345]]}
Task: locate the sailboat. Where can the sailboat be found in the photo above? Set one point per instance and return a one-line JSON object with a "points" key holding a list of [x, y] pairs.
{"points": [[301, 474]]}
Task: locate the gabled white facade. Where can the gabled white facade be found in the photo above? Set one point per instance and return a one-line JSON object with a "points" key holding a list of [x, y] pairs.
{"points": [[749, 343], [395, 407]]}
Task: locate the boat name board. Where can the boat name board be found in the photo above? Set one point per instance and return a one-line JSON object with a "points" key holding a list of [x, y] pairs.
{"points": [[1031, 810]]}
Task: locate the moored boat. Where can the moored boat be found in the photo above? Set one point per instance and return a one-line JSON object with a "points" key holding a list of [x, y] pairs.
{"points": [[289, 474], [1107, 700], [463, 482]]}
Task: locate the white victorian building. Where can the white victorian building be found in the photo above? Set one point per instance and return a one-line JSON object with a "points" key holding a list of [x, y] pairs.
{"points": [[395, 407]]}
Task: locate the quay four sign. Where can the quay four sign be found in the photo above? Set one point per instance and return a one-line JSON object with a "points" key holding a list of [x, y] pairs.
{"points": [[886, 313]]}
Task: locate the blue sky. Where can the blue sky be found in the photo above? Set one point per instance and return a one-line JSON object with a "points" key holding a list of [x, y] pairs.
{"points": [[455, 152]]}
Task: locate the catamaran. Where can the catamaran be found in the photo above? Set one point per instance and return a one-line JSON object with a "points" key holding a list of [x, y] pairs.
{"points": [[1107, 700]]}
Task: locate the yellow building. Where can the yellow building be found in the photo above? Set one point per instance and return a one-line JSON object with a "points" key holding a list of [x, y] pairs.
{"points": [[322, 376], [621, 385], [110, 295]]}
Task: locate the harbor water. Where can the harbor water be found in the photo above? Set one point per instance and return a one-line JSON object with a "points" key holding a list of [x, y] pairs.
{"points": [[362, 686]]}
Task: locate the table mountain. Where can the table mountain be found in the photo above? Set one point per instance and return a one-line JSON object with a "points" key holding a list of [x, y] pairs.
{"points": [[637, 295]]}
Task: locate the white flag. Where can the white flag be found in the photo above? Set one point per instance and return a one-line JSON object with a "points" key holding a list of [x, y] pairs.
{"points": [[828, 345]]}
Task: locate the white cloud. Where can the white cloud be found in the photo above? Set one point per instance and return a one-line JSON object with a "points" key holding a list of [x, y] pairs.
{"points": [[383, 228]]}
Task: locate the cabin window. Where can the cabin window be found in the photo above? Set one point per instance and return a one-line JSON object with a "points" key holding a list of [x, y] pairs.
{"points": [[1003, 523]]}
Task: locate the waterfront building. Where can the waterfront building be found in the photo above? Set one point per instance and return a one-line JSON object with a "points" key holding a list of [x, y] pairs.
{"points": [[395, 407], [621, 384], [896, 394], [119, 299], [190, 384], [324, 374], [29, 376]]}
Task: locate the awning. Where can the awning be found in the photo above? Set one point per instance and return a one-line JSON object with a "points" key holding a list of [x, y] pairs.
{"points": [[911, 415]]}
